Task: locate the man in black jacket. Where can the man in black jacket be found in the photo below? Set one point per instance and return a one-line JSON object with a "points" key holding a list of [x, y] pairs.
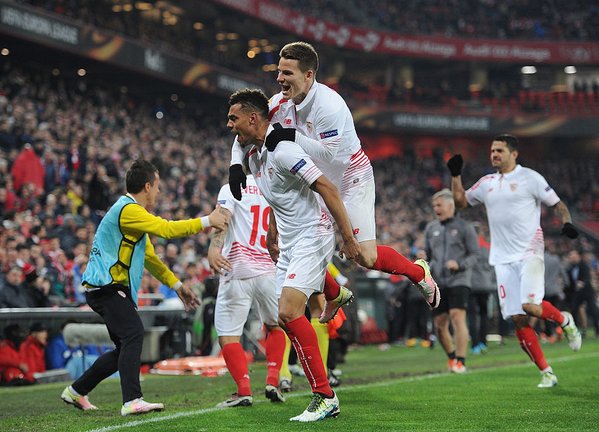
{"points": [[580, 290], [451, 245]]}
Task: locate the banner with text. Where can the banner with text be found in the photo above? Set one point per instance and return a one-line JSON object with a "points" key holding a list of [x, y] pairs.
{"points": [[57, 32], [515, 51]]}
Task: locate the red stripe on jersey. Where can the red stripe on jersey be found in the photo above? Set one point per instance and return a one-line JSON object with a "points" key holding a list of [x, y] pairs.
{"points": [[275, 109], [485, 178]]}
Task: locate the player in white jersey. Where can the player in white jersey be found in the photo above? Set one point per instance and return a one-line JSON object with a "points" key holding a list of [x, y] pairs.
{"points": [[327, 133], [512, 197], [288, 178], [247, 275]]}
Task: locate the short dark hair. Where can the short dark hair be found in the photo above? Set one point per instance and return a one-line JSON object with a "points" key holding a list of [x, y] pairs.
{"points": [[510, 140], [303, 52], [253, 100], [140, 173]]}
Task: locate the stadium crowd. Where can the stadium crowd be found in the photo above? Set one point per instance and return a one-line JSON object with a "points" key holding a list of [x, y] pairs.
{"points": [[226, 42], [65, 145]]}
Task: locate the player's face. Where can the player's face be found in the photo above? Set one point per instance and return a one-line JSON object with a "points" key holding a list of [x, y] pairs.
{"points": [[153, 191], [240, 123], [294, 83], [443, 208], [501, 157]]}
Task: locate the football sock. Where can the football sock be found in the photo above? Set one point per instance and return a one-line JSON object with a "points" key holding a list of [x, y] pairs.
{"points": [[284, 372], [275, 347], [551, 313], [322, 333], [237, 364], [529, 342], [451, 355], [304, 340], [391, 261], [331, 287]]}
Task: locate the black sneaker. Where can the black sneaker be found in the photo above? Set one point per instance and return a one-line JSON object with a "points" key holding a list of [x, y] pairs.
{"points": [[235, 400], [273, 393]]}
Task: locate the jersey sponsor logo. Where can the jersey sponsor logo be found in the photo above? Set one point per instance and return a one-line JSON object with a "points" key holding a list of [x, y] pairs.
{"points": [[329, 134], [122, 294], [291, 276], [287, 122], [298, 166], [224, 201]]}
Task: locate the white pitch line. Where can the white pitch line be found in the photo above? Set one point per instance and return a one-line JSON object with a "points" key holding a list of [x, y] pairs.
{"points": [[340, 390]]}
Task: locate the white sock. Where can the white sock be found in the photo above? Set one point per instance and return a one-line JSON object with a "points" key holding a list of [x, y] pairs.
{"points": [[72, 390]]}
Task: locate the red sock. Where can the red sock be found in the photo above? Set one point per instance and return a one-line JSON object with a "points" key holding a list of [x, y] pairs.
{"points": [[275, 347], [551, 313], [237, 364], [331, 287], [304, 340], [529, 342], [392, 262]]}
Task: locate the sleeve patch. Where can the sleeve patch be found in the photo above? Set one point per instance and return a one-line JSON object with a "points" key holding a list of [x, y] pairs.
{"points": [[298, 166], [329, 134], [224, 201]]}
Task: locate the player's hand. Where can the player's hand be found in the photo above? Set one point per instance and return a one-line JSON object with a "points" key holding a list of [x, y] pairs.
{"points": [[452, 265], [272, 244], [188, 297], [237, 180], [350, 248], [218, 263], [455, 165], [569, 230], [219, 219], [278, 134]]}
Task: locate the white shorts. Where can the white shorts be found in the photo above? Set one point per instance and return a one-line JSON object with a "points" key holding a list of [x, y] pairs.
{"points": [[304, 265], [234, 301], [359, 203], [518, 283]]}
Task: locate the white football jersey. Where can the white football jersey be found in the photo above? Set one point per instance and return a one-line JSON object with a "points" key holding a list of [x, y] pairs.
{"points": [[245, 242], [324, 116], [284, 176], [513, 203]]}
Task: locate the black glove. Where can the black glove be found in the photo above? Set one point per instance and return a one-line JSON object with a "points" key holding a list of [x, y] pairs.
{"points": [[569, 230], [277, 135], [236, 180], [455, 164]]}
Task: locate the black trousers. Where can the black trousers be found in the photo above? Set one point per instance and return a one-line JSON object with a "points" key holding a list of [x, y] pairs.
{"points": [[114, 304]]}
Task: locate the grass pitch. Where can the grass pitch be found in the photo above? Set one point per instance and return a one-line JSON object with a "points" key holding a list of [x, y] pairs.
{"points": [[401, 389]]}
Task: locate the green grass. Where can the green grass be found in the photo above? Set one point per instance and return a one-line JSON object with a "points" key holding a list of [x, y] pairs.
{"points": [[399, 389]]}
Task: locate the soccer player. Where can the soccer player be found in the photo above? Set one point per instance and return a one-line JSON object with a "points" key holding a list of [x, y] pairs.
{"points": [[451, 247], [120, 251], [247, 274], [328, 135], [512, 197], [288, 178]]}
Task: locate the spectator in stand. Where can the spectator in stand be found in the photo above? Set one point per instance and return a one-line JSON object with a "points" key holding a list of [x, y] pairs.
{"points": [[12, 292], [28, 169], [13, 368], [32, 348]]}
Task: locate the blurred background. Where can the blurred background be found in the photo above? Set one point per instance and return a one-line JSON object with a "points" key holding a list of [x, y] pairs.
{"points": [[86, 87]]}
